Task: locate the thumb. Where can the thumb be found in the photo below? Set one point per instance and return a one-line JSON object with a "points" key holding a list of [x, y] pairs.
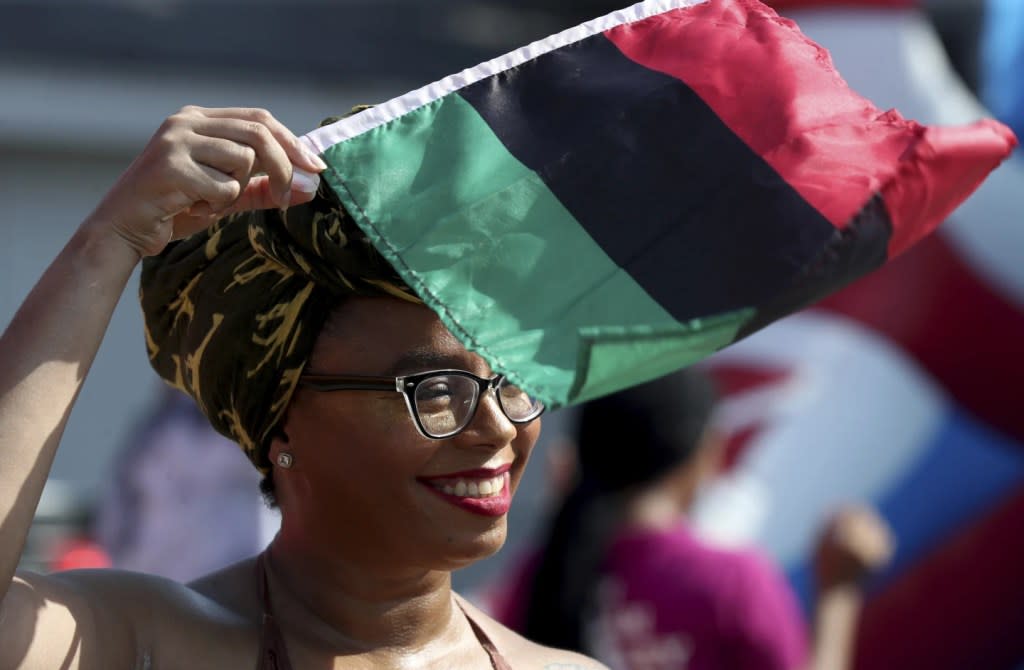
{"points": [[259, 195]]}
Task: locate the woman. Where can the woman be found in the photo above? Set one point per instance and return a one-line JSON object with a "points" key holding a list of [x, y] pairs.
{"points": [[381, 495], [623, 577]]}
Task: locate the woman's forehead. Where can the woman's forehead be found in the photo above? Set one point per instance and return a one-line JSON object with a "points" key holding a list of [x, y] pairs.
{"points": [[382, 335]]}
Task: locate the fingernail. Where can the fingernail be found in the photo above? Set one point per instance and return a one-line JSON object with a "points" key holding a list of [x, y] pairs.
{"points": [[285, 199], [304, 181], [314, 159]]}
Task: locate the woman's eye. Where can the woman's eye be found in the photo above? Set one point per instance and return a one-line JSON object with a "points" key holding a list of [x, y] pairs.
{"points": [[435, 392]]}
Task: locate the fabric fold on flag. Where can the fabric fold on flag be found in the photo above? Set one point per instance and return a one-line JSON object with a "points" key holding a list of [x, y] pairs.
{"points": [[628, 196]]}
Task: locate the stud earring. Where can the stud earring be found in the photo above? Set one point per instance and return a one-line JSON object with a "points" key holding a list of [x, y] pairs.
{"points": [[285, 460]]}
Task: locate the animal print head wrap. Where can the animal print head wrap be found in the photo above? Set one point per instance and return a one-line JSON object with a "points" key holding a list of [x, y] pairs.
{"points": [[232, 313]]}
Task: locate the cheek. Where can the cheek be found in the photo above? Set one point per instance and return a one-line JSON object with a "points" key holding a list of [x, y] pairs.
{"points": [[360, 448], [330, 418], [523, 445]]}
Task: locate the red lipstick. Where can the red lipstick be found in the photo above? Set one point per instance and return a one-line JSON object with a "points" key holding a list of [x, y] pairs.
{"points": [[464, 490]]}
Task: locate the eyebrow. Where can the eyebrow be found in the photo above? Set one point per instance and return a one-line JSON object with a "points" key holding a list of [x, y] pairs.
{"points": [[421, 360]]}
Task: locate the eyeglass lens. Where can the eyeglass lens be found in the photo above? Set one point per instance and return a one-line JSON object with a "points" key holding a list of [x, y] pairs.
{"points": [[445, 403]]}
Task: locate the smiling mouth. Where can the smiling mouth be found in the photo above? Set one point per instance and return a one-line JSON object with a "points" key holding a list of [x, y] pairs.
{"points": [[483, 493], [471, 487]]}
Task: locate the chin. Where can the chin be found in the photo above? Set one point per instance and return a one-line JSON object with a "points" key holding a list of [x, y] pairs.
{"points": [[463, 550]]}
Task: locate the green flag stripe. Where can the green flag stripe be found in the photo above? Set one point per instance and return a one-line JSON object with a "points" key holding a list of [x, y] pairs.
{"points": [[465, 223]]}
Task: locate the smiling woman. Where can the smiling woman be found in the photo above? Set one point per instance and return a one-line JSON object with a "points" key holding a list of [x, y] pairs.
{"points": [[392, 451], [361, 463]]}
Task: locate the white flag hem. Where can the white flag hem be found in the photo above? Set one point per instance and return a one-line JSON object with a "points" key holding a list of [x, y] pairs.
{"points": [[322, 138]]}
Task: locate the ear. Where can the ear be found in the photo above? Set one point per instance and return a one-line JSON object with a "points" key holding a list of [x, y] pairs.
{"points": [[278, 443]]}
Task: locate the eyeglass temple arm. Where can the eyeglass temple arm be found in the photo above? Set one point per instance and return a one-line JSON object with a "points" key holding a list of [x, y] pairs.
{"points": [[351, 382]]}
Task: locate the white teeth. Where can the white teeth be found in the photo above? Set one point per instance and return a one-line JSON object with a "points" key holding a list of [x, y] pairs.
{"points": [[482, 488]]}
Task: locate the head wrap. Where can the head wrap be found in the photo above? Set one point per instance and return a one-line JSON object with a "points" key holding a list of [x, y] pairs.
{"points": [[232, 313]]}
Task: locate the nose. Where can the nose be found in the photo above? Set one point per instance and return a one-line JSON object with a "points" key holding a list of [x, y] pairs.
{"points": [[489, 424]]}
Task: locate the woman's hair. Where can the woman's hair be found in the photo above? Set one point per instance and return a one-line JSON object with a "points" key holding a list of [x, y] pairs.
{"points": [[625, 441], [334, 326], [268, 491]]}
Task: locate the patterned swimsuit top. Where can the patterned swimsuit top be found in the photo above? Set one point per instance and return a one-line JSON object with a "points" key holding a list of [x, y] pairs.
{"points": [[274, 654]]}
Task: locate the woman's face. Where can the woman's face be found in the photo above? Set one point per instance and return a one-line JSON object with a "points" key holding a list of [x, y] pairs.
{"points": [[365, 482]]}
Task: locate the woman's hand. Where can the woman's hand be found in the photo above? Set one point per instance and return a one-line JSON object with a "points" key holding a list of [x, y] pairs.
{"points": [[200, 165]]}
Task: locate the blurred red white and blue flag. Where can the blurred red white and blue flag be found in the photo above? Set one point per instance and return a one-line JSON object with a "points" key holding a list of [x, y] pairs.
{"points": [[901, 390], [1002, 61], [824, 410]]}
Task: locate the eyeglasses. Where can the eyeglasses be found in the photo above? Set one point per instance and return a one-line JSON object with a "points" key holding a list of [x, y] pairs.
{"points": [[441, 402]]}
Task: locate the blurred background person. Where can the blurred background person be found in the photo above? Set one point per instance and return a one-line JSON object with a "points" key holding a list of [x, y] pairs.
{"points": [[622, 575], [177, 483]]}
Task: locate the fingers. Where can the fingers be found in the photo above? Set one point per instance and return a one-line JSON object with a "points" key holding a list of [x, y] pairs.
{"points": [[200, 164], [217, 189], [219, 194], [866, 536], [854, 543], [266, 150], [227, 157], [242, 142], [259, 194], [297, 152]]}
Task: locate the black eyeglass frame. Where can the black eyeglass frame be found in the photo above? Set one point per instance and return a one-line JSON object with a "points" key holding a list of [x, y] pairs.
{"points": [[407, 385]]}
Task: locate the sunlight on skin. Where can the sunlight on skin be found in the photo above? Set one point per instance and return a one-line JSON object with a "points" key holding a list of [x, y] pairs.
{"points": [[63, 638]]}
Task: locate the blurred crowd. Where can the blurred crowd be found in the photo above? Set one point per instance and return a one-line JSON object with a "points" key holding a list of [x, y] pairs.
{"points": [[844, 489]]}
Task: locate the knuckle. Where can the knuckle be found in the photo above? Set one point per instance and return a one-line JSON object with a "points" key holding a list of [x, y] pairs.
{"points": [[246, 157], [257, 132], [177, 124], [227, 192], [167, 140], [172, 122], [223, 194], [262, 116]]}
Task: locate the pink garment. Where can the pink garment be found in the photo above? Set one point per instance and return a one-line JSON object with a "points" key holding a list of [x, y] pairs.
{"points": [[668, 601], [671, 601]]}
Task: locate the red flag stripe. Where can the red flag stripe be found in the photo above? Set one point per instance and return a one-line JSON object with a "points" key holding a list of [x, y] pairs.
{"points": [[831, 144], [838, 4]]}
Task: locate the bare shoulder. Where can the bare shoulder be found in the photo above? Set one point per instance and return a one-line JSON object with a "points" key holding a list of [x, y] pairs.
{"points": [[86, 619], [521, 652], [80, 619]]}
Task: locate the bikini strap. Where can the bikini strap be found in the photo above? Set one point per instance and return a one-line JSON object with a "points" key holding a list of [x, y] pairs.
{"points": [[273, 652], [498, 661]]}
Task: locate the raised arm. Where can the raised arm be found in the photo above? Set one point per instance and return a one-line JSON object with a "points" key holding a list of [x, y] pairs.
{"points": [[855, 543], [200, 164]]}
